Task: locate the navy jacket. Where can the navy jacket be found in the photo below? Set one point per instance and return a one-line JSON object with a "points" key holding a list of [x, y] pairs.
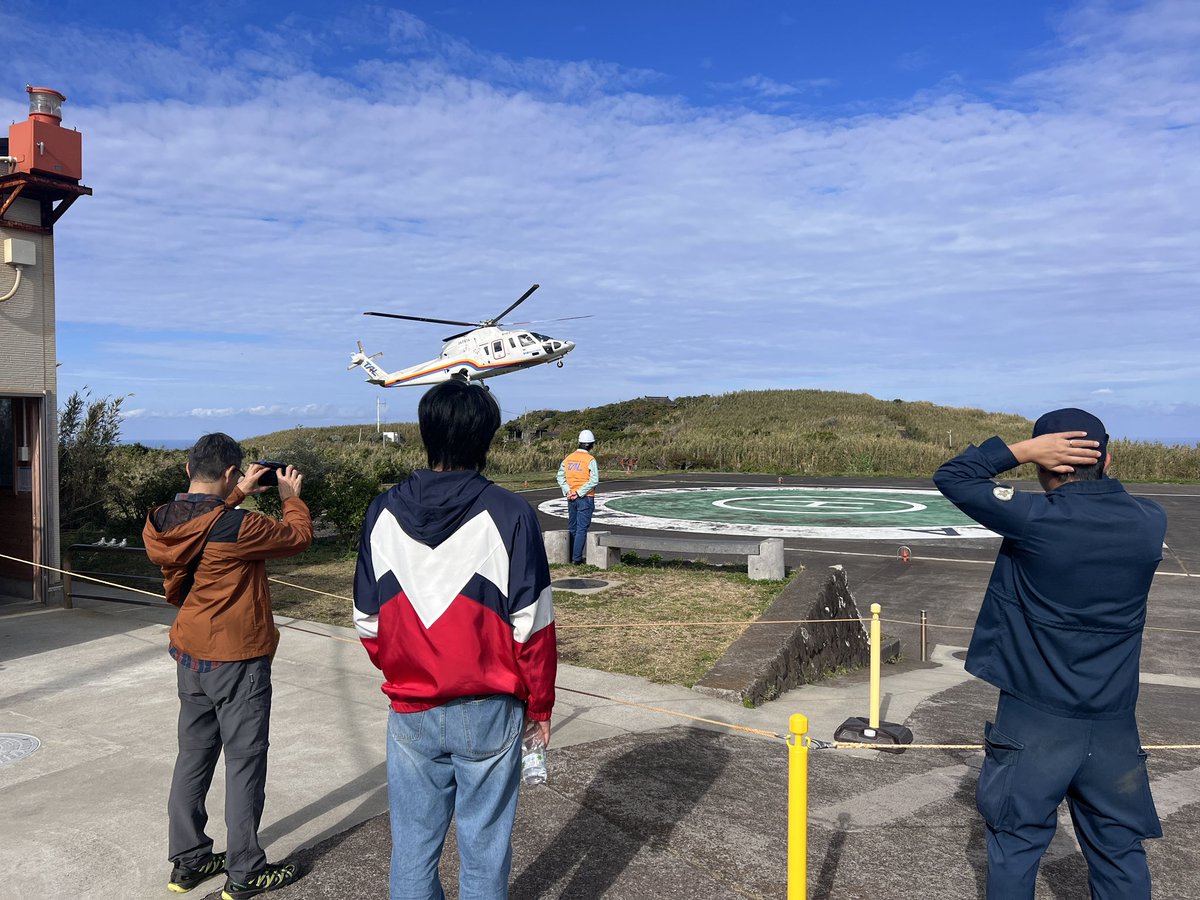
{"points": [[1061, 624]]}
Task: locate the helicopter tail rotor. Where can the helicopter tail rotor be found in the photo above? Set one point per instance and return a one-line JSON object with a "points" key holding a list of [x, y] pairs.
{"points": [[375, 375]]}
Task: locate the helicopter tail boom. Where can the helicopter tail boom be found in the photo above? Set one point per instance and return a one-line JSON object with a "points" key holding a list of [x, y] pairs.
{"points": [[375, 374]]}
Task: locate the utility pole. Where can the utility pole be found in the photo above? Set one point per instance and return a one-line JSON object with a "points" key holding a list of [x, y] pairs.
{"points": [[379, 402], [950, 439]]}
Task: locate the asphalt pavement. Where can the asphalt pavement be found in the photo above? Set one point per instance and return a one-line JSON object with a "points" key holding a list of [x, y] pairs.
{"points": [[640, 804]]}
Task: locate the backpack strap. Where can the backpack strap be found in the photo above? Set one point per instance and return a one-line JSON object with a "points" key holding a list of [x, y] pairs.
{"points": [[189, 578]]}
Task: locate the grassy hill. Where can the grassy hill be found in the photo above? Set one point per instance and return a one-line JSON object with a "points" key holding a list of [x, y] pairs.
{"points": [[776, 432]]}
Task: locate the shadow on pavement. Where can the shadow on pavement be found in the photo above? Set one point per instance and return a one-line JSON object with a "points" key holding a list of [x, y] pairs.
{"points": [[640, 795]]}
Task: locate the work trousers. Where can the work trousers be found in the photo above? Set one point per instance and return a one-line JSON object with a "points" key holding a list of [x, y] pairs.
{"points": [[579, 519], [1033, 761], [228, 707]]}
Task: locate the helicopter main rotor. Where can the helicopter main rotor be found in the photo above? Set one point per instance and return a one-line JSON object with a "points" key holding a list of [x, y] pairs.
{"points": [[486, 323]]}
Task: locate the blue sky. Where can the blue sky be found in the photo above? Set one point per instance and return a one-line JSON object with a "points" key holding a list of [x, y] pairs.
{"points": [[984, 205]]}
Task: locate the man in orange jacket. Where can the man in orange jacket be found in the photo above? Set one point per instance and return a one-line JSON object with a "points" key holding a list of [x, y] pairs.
{"points": [[578, 476], [213, 556]]}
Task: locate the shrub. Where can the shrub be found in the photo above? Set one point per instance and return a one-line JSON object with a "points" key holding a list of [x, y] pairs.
{"points": [[140, 478]]}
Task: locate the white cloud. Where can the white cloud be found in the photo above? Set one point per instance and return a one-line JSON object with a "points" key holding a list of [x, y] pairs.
{"points": [[762, 86], [961, 248]]}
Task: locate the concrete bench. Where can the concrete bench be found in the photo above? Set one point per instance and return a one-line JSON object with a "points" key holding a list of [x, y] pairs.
{"points": [[764, 556]]}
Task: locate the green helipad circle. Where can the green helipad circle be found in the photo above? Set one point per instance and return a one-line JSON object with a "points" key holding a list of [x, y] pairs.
{"points": [[813, 512], [795, 506]]}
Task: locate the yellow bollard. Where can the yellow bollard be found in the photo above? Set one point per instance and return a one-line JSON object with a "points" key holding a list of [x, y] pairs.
{"points": [[797, 863], [870, 730], [876, 639]]}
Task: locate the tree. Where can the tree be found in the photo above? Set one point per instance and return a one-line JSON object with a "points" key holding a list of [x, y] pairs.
{"points": [[140, 478], [88, 431]]}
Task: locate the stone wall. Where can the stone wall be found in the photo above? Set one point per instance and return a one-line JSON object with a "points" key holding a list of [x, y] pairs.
{"points": [[769, 659]]}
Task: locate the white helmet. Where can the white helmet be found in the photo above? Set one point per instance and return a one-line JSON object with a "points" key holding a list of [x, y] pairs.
{"points": [[586, 437]]}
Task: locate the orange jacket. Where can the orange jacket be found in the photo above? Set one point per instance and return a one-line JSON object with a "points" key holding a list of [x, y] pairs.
{"points": [[225, 608]]}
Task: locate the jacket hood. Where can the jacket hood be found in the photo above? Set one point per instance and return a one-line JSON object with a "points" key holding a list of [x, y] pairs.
{"points": [[432, 505], [175, 532]]}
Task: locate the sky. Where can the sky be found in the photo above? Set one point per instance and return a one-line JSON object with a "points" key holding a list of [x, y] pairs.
{"points": [[992, 205]]}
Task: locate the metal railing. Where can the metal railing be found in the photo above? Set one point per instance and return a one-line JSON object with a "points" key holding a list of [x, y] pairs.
{"points": [[69, 570]]}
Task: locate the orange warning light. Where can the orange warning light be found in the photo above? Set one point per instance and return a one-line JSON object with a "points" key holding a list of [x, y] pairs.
{"points": [[905, 554]]}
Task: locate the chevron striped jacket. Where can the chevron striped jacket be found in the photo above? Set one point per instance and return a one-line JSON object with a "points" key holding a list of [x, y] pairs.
{"points": [[452, 594]]}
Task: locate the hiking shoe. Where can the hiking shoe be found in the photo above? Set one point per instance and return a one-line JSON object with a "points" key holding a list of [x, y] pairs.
{"points": [[271, 878], [183, 879]]}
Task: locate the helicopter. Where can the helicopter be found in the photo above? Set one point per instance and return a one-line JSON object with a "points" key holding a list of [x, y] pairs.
{"points": [[485, 350]]}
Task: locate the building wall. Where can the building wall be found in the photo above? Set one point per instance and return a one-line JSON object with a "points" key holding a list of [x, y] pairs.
{"points": [[28, 359], [27, 352]]}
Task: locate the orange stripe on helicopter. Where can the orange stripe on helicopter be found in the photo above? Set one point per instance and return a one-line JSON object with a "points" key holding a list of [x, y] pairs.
{"points": [[440, 366]]}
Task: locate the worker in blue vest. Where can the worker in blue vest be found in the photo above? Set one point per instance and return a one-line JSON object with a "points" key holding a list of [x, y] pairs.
{"points": [[578, 476], [1060, 634]]}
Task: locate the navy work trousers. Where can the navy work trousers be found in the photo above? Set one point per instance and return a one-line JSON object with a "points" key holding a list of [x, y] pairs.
{"points": [[228, 707], [579, 519], [1033, 761]]}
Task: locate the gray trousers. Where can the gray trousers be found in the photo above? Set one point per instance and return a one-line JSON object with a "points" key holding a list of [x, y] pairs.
{"points": [[228, 707]]}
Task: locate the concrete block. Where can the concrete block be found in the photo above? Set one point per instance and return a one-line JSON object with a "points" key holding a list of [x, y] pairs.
{"points": [[768, 660], [558, 546], [767, 564], [598, 555]]}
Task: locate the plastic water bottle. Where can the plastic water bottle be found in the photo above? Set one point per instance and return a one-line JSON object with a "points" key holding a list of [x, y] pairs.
{"points": [[533, 755]]}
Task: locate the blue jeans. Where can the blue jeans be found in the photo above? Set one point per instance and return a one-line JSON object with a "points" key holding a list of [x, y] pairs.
{"points": [[463, 758], [579, 519], [1033, 760]]}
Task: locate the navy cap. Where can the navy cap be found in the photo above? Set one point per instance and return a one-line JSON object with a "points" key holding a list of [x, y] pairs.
{"points": [[1072, 419]]}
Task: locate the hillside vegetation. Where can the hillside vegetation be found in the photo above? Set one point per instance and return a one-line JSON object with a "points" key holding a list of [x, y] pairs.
{"points": [[796, 432]]}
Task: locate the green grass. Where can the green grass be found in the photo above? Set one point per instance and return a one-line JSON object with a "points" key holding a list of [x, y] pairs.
{"points": [[797, 432], [627, 640], [630, 642]]}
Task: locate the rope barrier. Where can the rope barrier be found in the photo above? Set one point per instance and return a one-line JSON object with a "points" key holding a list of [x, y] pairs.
{"points": [[310, 590], [679, 715], [857, 745], [814, 743], [70, 574], [565, 626]]}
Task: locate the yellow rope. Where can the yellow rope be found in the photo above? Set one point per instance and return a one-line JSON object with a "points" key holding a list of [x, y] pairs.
{"points": [[856, 745], [84, 577], [564, 626], [837, 745], [310, 590], [670, 712]]}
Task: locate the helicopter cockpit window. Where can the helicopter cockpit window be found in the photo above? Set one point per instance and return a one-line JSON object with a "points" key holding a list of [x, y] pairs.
{"points": [[526, 340], [540, 337]]}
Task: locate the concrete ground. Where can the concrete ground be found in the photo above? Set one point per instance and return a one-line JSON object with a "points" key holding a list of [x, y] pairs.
{"points": [[639, 804]]}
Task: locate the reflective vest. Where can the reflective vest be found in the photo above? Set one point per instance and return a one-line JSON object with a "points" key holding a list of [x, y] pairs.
{"points": [[577, 469]]}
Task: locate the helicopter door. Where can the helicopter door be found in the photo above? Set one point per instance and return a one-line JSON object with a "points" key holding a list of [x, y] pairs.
{"points": [[498, 349]]}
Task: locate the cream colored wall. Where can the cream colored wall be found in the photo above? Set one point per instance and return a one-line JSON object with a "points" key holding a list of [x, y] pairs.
{"points": [[27, 353], [28, 359]]}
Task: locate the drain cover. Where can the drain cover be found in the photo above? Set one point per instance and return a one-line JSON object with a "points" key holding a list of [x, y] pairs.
{"points": [[578, 584], [15, 747]]}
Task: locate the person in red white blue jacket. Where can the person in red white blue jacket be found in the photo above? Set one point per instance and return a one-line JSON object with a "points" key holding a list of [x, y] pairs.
{"points": [[452, 601]]}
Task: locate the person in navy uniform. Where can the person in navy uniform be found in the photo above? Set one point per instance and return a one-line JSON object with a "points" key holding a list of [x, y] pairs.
{"points": [[1060, 634]]}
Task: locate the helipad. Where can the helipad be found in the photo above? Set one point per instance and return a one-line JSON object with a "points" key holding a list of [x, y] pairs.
{"points": [[807, 512]]}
